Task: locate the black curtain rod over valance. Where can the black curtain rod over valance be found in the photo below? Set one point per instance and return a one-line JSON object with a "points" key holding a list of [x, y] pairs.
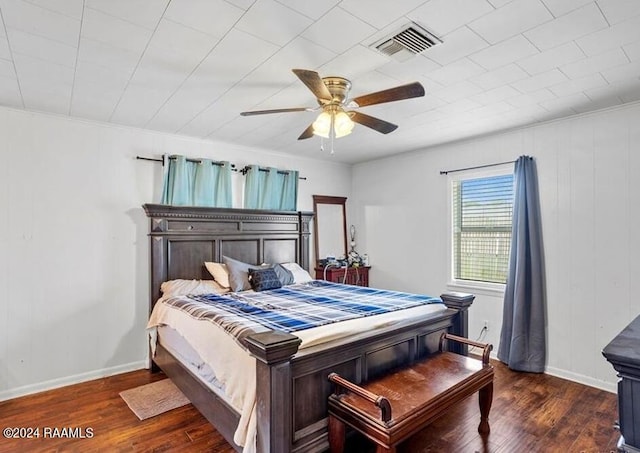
{"points": [[246, 169], [446, 172], [152, 159]]}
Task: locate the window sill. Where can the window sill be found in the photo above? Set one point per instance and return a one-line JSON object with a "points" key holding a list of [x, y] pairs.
{"points": [[487, 289]]}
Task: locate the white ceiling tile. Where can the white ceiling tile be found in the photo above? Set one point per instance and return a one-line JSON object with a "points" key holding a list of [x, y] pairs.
{"points": [[510, 20], [580, 22], [578, 85], [561, 7], [42, 48], [609, 38], [7, 70], [10, 93], [47, 97], [504, 53], [5, 52], [565, 102], [458, 71], [110, 77], [273, 22], [138, 104], [501, 76], [619, 10], [537, 82], [71, 8], [628, 71], [105, 55], [144, 13], [416, 66], [115, 32], [458, 91], [444, 16], [314, 10], [356, 61], [552, 58], [526, 100], [346, 30], [461, 106], [499, 3], [596, 63], [179, 45], [496, 95], [298, 54], [38, 21], [597, 104], [214, 17], [491, 109], [382, 13], [244, 4], [457, 44], [632, 50], [94, 99], [629, 90], [42, 72]]}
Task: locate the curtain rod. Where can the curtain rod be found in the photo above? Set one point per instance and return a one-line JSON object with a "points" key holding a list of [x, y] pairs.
{"points": [[152, 159], [446, 172], [244, 170]]}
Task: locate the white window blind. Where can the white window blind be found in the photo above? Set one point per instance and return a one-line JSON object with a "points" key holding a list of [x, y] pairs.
{"points": [[482, 213]]}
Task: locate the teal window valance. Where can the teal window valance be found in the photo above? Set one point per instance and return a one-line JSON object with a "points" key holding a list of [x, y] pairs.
{"points": [[201, 182], [270, 188]]}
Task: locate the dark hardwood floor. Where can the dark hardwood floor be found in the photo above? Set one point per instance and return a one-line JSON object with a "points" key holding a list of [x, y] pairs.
{"points": [[530, 413]]}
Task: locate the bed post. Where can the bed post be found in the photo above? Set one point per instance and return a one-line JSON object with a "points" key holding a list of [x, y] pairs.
{"points": [[273, 351], [460, 327]]}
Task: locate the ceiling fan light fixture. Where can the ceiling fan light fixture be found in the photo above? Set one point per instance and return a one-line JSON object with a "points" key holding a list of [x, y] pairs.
{"points": [[342, 124], [322, 125]]}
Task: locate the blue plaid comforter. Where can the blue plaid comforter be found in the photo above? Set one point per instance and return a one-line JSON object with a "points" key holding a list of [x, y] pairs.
{"points": [[295, 307]]}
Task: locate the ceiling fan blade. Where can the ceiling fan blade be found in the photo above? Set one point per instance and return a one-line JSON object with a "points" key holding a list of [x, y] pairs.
{"points": [[264, 112], [308, 133], [376, 124], [314, 82], [411, 90]]}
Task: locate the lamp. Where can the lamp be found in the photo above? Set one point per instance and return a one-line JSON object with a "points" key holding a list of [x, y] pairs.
{"points": [[333, 122]]}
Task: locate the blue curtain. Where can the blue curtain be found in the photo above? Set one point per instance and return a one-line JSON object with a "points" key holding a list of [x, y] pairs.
{"points": [[271, 189], [522, 339], [196, 183]]}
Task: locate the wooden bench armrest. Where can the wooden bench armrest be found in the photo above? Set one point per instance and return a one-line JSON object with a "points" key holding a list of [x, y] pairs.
{"points": [[486, 347], [378, 400]]}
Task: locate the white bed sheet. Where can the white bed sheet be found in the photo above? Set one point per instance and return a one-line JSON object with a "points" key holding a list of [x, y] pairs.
{"points": [[235, 369]]}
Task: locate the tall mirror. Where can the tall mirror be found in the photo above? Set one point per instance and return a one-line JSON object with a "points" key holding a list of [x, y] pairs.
{"points": [[330, 224]]}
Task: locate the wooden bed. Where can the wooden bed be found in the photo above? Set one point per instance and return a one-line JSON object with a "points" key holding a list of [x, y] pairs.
{"points": [[292, 386]]}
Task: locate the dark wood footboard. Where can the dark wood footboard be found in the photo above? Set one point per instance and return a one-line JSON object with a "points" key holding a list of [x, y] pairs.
{"points": [[292, 386]]}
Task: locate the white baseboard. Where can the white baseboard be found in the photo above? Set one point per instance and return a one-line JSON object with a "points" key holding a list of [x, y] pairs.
{"points": [[69, 380], [582, 379]]}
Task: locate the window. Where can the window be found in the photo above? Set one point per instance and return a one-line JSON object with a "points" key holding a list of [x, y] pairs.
{"points": [[482, 210]]}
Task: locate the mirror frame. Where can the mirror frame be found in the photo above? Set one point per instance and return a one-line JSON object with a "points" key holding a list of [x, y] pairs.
{"points": [[327, 199]]}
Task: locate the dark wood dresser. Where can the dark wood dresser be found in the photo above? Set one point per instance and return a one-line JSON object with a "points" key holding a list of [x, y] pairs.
{"points": [[350, 275], [624, 354]]}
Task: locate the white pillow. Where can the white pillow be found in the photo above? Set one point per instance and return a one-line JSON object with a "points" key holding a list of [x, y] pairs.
{"points": [[195, 287], [299, 274], [219, 272]]}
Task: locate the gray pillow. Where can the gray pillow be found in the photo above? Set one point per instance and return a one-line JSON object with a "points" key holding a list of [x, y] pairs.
{"points": [[238, 274], [284, 275]]}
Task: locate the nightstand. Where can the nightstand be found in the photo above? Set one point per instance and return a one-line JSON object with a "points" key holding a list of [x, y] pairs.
{"points": [[350, 275]]}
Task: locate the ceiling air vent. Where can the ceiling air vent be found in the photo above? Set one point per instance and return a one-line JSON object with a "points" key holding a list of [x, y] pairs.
{"points": [[411, 40]]}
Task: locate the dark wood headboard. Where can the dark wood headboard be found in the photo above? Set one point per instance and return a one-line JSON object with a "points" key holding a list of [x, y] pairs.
{"points": [[183, 238]]}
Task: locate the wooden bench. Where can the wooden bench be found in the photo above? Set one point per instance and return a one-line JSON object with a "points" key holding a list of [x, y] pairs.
{"points": [[390, 409]]}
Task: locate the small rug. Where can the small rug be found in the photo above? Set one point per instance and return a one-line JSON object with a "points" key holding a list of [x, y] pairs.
{"points": [[153, 399]]}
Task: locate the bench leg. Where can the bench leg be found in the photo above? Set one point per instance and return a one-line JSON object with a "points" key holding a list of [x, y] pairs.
{"points": [[485, 398], [336, 435]]}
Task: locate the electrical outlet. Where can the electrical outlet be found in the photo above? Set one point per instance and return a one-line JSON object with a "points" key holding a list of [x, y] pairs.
{"points": [[486, 325]]}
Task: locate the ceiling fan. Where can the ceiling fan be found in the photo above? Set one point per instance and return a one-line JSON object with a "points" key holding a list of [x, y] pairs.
{"points": [[337, 117]]}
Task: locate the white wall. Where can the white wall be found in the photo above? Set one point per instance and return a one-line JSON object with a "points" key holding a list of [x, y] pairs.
{"points": [[588, 169], [74, 253]]}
